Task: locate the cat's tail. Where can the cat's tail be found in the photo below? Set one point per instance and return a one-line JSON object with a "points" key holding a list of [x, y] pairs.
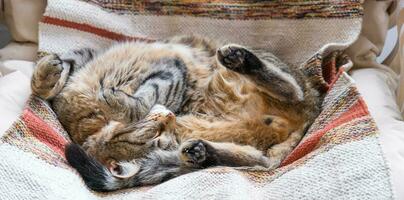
{"points": [[96, 176]]}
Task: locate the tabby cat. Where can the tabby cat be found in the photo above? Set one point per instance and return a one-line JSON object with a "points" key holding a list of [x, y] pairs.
{"points": [[141, 113]]}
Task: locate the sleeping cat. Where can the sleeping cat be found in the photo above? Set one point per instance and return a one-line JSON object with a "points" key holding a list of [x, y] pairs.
{"points": [[141, 113]]}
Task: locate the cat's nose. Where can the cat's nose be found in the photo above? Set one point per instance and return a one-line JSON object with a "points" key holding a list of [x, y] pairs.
{"points": [[170, 117]]}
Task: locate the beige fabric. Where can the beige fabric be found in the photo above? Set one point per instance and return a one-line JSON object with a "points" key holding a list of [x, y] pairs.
{"points": [[14, 90], [379, 88], [10, 66], [400, 56], [379, 17], [380, 99], [371, 40], [234, 184], [19, 51], [1, 12], [22, 17]]}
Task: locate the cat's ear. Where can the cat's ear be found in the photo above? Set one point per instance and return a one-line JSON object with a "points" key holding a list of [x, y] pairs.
{"points": [[123, 169]]}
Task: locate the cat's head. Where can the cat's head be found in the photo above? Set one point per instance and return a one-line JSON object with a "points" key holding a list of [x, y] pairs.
{"points": [[125, 142]]}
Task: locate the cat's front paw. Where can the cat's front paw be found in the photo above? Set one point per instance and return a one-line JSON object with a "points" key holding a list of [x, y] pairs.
{"points": [[49, 70], [49, 77], [193, 153], [238, 58]]}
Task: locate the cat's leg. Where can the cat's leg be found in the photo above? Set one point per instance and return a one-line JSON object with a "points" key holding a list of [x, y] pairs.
{"points": [[259, 133], [52, 71], [160, 165], [276, 79], [271, 75], [278, 152], [198, 153], [49, 77], [193, 155]]}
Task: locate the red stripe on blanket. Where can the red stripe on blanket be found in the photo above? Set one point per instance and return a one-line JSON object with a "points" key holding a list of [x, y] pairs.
{"points": [[338, 74], [43, 132], [359, 109], [330, 74], [329, 71], [90, 29]]}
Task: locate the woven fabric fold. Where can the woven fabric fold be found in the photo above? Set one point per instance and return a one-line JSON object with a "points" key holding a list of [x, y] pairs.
{"points": [[339, 157]]}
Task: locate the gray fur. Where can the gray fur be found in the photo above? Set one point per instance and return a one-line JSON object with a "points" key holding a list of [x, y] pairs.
{"points": [[164, 82]]}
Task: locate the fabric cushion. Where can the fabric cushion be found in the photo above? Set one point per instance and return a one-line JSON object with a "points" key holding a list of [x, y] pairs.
{"points": [[378, 89], [25, 67], [19, 51], [373, 84], [400, 56], [370, 42], [379, 16], [267, 25], [14, 92], [22, 17], [339, 157]]}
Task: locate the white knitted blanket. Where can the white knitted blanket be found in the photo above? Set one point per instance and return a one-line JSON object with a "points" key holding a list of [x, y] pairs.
{"points": [[339, 158]]}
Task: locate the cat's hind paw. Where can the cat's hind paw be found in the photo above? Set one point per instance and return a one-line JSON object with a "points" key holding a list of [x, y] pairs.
{"points": [[238, 59]]}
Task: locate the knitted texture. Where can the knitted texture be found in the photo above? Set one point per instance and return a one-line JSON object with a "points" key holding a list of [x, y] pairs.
{"points": [[339, 157]]}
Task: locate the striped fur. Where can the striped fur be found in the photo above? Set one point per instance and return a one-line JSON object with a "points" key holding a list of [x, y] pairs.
{"points": [[232, 105]]}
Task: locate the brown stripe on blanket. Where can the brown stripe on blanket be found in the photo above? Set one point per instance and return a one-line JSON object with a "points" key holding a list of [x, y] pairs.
{"points": [[238, 9], [91, 29]]}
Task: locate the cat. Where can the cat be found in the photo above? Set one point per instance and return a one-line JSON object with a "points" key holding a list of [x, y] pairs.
{"points": [[141, 113]]}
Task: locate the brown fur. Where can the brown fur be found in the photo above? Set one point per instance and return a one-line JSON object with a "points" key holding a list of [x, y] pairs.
{"points": [[231, 112]]}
